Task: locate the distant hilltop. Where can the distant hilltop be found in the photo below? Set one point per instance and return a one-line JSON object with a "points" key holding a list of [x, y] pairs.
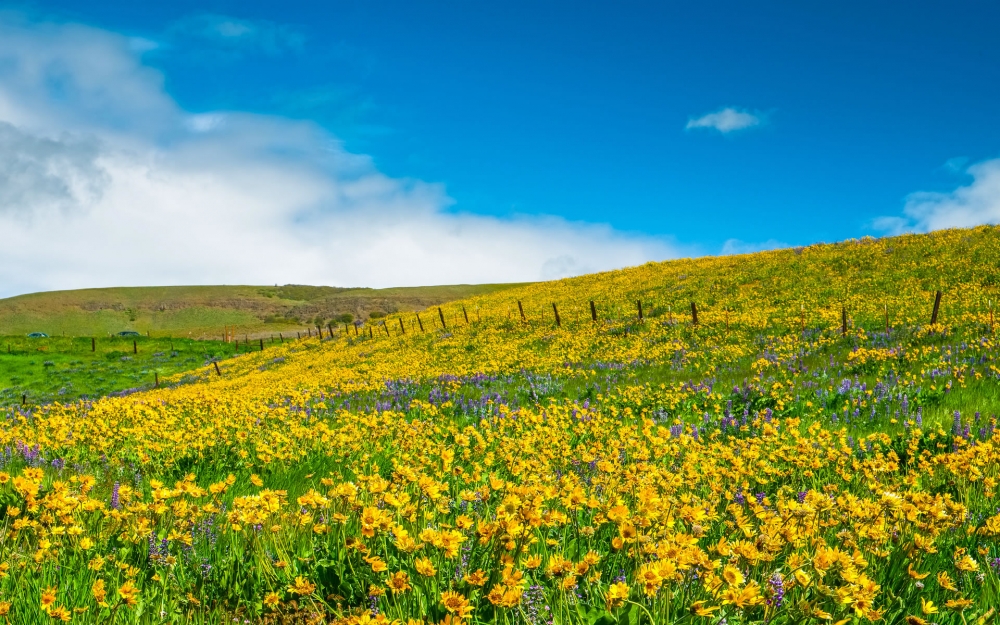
{"points": [[208, 311]]}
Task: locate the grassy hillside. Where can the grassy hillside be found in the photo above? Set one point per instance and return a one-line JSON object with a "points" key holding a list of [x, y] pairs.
{"points": [[203, 311], [35, 371], [779, 438]]}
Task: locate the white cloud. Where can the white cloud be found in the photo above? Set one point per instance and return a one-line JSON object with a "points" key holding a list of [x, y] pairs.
{"points": [[105, 180], [735, 246], [973, 204], [39, 173], [726, 120], [232, 33], [205, 122]]}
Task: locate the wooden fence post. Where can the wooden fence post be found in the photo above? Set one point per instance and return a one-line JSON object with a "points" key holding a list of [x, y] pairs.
{"points": [[639, 304], [356, 330], [281, 338], [521, 309], [694, 314], [937, 304], [441, 314], [217, 372], [843, 319], [237, 346], [886, 319], [386, 328], [420, 323], [262, 345], [556, 311], [156, 380], [135, 348], [465, 314], [593, 311], [329, 327], [93, 344], [371, 333], [402, 328]]}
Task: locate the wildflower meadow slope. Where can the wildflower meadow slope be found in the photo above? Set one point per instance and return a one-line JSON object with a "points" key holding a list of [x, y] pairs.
{"points": [[782, 437]]}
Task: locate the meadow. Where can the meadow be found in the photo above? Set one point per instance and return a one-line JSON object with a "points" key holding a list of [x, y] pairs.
{"points": [[43, 370], [208, 312], [782, 437]]}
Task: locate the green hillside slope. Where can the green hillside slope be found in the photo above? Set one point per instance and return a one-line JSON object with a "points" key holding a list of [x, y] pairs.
{"points": [[204, 311]]}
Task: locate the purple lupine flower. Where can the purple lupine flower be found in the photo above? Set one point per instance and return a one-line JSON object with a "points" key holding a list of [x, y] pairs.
{"points": [[535, 608], [777, 584], [115, 502]]}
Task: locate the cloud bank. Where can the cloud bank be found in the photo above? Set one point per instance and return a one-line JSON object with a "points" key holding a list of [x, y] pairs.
{"points": [[726, 120], [970, 205], [105, 180]]}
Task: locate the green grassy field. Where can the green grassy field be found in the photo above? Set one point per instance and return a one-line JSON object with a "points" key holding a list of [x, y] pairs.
{"points": [[202, 312], [184, 324], [36, 371]]}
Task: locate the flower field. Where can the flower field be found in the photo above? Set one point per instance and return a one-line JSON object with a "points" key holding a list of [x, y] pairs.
{"points": [[783, 437]]}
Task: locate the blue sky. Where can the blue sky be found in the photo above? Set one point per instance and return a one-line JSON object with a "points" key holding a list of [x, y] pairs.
{"points": [[684, 128]]}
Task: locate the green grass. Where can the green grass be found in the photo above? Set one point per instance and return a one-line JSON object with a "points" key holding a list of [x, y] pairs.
{"points": [[202, 312], [65, 369]]}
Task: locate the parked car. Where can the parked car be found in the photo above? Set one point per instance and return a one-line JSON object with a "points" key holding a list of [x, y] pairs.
{"points": [[129, 333], [38, 335]]}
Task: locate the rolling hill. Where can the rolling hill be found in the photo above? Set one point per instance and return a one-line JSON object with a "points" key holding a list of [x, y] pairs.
{"points": [[203, 311]]}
